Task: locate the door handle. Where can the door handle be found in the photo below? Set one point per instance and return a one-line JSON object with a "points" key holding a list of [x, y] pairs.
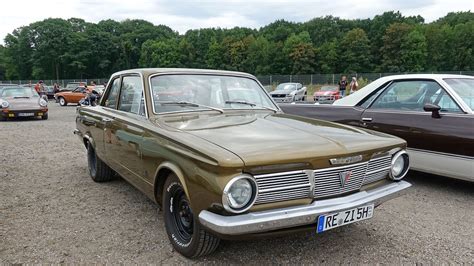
{"points": [[366, 119], [106, 120]]}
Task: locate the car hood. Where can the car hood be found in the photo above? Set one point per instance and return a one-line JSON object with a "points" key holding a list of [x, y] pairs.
{"points": [[281, 91], [22, 103], [263, 139]]}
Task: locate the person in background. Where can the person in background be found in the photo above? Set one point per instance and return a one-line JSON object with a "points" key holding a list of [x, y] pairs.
{"points": [[353, 85], [39, 88], [55, 88], [343, 85]]}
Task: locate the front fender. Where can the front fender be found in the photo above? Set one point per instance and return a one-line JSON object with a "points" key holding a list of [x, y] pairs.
{"points": [[173, 168]]}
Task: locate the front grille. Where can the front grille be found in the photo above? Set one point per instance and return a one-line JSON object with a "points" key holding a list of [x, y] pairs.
{"points": [[320, 183], [328, 183], [278, 95], [282, 186], [378, 169]]}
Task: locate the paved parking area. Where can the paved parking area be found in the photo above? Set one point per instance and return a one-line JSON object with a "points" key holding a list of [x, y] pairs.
{"points": [[52, 212]]}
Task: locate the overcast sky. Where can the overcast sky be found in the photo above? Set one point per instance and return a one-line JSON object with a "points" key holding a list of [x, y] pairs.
{"points": [[182, 15]]}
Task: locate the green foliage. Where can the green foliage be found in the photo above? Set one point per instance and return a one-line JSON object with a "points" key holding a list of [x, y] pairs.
{"points": [[353, 50], [73, 48]]}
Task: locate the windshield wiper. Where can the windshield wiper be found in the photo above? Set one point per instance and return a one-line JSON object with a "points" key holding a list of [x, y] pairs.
{"points": [[185, 103], [251, 104], [241, 102]]}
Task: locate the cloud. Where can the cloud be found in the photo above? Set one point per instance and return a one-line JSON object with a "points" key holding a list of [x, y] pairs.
{"points": [[182, 15]]}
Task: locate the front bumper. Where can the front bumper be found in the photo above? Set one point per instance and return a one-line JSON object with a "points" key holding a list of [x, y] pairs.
{"points": [[264, 221], [283, 99], [23, 113], [325, 98]]}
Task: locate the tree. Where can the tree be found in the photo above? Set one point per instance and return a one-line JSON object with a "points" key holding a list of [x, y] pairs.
{"points": [[163, 53], [413, 52], [392, 45], [301, 53], [353, 57]]}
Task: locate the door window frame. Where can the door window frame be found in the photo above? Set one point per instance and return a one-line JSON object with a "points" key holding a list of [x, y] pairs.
{"points": [[109, 86], [387, 85]]}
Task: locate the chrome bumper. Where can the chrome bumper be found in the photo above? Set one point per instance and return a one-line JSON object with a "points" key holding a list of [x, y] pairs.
{"points": [[264, 221]]}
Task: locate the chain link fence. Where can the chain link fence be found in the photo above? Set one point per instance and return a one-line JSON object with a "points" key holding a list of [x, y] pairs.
{"points": [[267, 80]]}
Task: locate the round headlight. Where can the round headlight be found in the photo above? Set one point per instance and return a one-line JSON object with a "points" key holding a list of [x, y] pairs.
{"points": [[5, 104], [400, 165], [43, 103], [239, 194]]}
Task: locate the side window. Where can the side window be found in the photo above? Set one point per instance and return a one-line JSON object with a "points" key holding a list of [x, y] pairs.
{"points": [[443, 100], [131, 95], [112, 95], [410, 95]]}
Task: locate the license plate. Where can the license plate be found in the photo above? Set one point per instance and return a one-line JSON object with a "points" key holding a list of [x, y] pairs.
{"points": [[26, 114], [336, 219]]}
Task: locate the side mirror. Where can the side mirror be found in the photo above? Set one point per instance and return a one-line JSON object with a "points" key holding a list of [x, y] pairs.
{"points": [[433, 108]]}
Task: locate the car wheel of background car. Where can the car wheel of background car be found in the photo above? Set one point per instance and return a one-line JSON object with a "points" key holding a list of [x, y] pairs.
{"points": [[304, 96], [62, 101], [98, 170], [44, 117], [182, 227]]}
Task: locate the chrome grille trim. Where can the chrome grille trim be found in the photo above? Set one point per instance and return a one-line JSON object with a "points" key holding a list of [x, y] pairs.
{"points": [[319, 183], [378, 169], [282, 186], [327, 182]]}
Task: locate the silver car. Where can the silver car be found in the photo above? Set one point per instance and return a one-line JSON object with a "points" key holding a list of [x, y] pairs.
{"points": [[289, 92], [22, 102]]}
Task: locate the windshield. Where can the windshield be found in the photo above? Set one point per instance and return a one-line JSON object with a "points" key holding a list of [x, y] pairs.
{"points": [[286, 86], [17, 92], [464, 87], [328, 88], [204, 91]]}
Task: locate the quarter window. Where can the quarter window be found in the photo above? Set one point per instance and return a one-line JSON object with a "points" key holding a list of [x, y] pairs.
{"points": [[131, 95], [112, 95], [413, 95]]}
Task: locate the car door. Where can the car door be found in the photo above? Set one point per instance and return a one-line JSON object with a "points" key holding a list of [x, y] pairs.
{"points": [[77, 95], [124, 133], [399, 110]]}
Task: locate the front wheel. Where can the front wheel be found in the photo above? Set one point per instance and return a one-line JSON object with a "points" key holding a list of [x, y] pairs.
{"points": [[182, 226], [44, 117], [62, 101]]}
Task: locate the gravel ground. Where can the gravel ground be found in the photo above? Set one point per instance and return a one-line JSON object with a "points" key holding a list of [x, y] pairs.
{"points": [[52, 212]]}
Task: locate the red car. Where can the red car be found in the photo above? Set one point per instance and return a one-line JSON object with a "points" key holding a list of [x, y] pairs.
{"points": [[327, 94]]}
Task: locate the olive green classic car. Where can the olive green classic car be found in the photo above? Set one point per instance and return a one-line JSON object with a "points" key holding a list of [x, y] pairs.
{"points": [[223, 161]]}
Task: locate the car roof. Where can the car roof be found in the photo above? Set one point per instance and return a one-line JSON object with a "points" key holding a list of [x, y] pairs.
{"points": [[150, 71]]}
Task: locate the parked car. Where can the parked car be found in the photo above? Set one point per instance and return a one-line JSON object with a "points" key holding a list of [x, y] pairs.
{"points": [[433, 113], [21, 102], [221, 158], [289, 92], [327, 94], [66, 97]]}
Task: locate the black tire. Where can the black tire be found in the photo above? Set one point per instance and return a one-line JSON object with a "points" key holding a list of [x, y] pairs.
{"points": [[44, 117], [98, 170], [62, 101], [183, 228]]}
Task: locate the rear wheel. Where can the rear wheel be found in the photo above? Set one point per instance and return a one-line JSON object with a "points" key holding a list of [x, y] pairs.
{"points": [[98, 170], [182, 226], [62, 101]]}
